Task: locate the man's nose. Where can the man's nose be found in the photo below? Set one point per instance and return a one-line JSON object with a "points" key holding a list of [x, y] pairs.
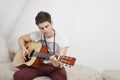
{"points": [[45, 29]]}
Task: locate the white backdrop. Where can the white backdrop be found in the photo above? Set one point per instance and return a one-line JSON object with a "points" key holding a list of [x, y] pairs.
{"points": [[91, 25], [9, 11]]}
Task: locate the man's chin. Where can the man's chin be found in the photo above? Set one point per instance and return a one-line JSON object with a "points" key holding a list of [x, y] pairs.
{"points": [[47, 36]]}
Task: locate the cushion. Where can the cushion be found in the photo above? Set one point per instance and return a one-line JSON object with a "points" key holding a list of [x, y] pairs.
{"points": [[42, 78], [6, 71], [111, 74], [4, 53], [82, 72]]}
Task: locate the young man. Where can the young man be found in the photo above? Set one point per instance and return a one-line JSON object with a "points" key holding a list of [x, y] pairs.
{"points": [[56, 43]]}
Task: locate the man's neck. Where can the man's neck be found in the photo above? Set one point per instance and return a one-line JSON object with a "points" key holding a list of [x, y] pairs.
{"points": [[52, 34]]}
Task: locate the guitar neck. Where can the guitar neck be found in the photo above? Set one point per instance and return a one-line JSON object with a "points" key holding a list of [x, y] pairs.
{"points": [[41, 55], [63, 59]]}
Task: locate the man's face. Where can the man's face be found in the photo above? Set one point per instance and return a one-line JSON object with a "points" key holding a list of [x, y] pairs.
{"points": [[46, 28]]}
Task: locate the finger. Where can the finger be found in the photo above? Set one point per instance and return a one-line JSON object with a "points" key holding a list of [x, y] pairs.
{"points": [[22, 59], [28, 53], [23, 55], [51, 57]]}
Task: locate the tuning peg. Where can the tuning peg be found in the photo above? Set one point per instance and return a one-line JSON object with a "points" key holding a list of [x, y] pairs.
{"points": [[66, 65], [69, 66]]}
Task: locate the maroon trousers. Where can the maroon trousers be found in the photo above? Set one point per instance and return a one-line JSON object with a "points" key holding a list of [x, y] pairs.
{"points": [[29, 73]]}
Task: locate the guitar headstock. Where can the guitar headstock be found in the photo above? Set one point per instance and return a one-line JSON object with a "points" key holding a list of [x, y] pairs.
{"points": [[67, 60]]}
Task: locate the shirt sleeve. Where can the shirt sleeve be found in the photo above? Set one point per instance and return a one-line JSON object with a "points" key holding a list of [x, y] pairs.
{"points": [[35, 36], [64, 42]]}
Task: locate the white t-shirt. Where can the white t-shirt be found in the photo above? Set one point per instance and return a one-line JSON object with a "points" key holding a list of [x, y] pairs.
{"points": [[61, 41]]}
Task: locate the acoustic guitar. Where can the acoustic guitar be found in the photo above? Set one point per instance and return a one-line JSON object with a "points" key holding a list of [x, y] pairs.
{"points": [[38, 52]]}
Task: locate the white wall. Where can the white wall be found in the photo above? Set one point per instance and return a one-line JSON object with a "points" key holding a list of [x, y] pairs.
{"points": [[26, 22], [91, 25], [9, 11]]}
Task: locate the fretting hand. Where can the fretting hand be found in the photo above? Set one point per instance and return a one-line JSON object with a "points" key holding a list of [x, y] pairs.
{"points": [[55, 62]]}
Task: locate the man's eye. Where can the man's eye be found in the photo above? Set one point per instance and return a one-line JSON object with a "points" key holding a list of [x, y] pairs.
{"points": [[46, 26], [41, 28]]}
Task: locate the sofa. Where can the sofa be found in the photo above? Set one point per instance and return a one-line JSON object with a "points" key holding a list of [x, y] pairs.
{"points": [[76, 72], [111, 74]]}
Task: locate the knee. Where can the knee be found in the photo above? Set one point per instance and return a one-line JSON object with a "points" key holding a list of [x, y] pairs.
{"points": [[18, 76], [64, 77]]}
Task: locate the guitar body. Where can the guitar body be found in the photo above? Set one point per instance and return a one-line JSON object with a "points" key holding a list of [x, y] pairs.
{"points": [[34, 61]]}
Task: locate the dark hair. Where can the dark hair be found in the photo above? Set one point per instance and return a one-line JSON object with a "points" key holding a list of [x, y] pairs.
{"points": [[42, 17]]}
